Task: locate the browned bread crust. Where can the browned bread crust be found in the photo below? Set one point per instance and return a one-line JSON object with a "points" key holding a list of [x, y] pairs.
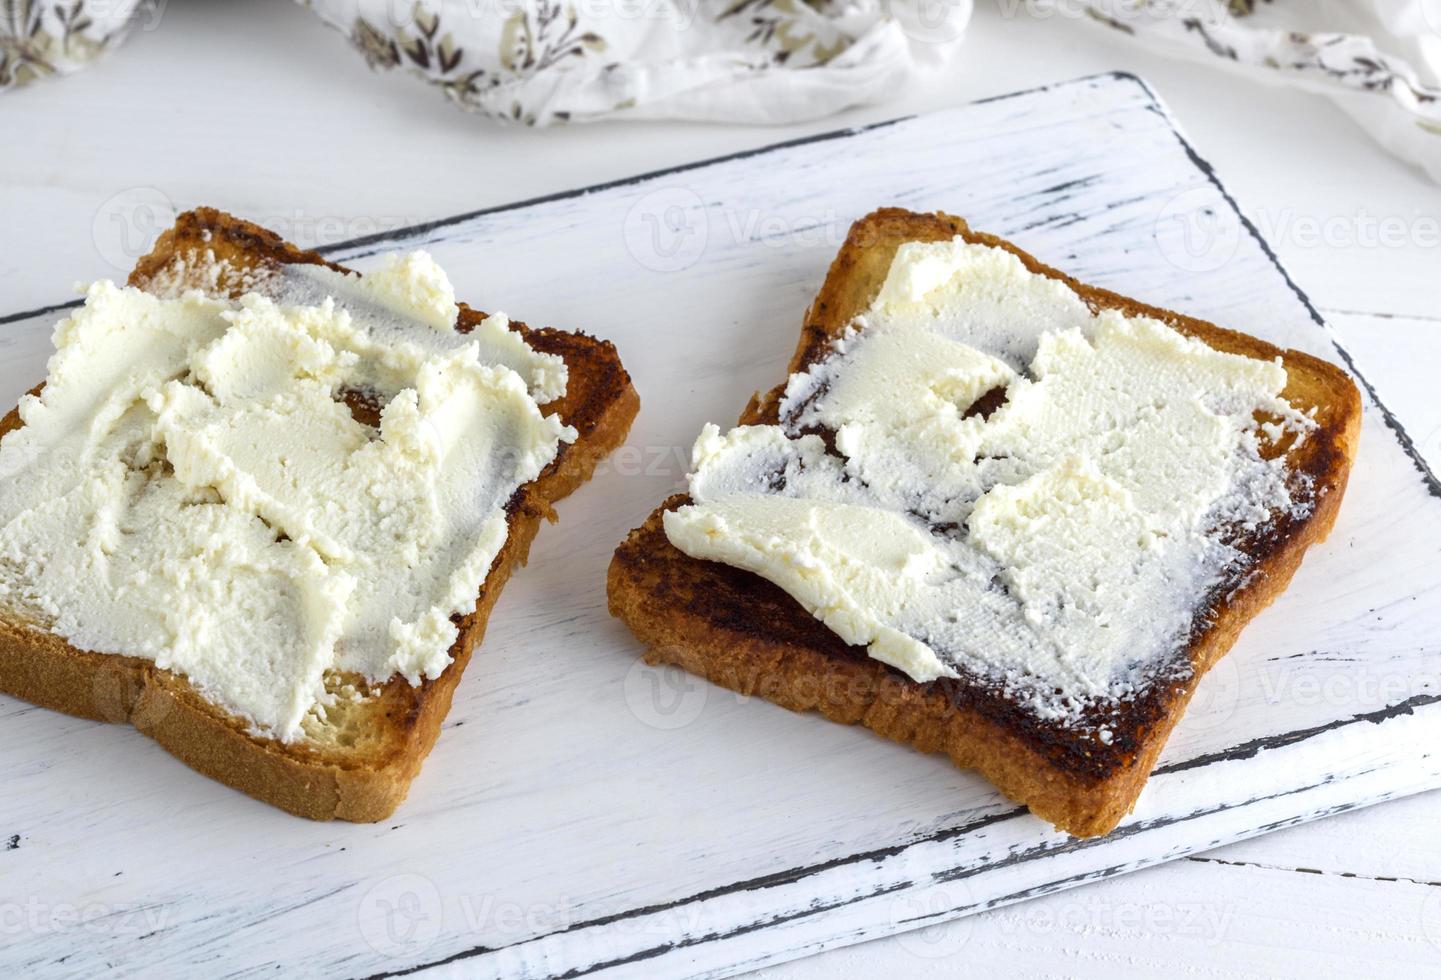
{"points": [[359, 764], [740, 631]]}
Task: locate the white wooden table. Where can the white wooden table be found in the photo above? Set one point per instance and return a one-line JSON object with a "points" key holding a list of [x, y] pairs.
{"points": [[1355, 891]]}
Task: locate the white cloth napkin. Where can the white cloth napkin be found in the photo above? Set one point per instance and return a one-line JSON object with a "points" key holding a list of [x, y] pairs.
{"points": [[545, 61], [539, 62], [45, 37], [1379, 60]]}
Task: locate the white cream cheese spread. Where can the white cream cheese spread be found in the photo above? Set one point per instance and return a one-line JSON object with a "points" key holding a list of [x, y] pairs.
{"points": [[190, 486], [1058, 547]]}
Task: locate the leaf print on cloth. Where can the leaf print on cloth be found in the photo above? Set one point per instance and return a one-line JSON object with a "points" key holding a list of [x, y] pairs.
{"points": [[1380, 60], [39, 38], [538, 62], [534, 38], [533, 41], [795, 33]]}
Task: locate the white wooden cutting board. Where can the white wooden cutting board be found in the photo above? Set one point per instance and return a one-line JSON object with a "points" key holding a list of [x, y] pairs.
{"points": [[585, 814]]}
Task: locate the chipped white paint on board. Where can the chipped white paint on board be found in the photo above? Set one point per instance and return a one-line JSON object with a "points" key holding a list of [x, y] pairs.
{"points": [[583, 813]]}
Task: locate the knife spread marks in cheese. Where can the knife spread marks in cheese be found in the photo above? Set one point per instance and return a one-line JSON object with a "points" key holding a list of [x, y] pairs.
{"points": [[1058, 547], [190, 486]]}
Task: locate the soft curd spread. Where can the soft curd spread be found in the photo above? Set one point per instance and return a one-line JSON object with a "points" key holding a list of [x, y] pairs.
{"points": [[191, 487], [1058, 547]]}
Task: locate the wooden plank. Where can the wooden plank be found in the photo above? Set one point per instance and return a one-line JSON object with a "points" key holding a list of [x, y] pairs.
{"points": [[1356, 893], [584, 813]]}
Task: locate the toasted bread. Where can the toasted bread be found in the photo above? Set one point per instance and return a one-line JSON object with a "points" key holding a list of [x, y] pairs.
{"points": [[742, 632], [359, 762]]}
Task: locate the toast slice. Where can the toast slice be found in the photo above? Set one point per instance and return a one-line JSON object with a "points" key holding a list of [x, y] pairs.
{"points": [[742, 632], [358, 763]]}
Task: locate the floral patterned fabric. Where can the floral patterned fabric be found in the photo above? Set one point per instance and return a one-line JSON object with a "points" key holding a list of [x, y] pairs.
{"points": [[544, 61], [39, 38], [539, 62], [1380, 60]]}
